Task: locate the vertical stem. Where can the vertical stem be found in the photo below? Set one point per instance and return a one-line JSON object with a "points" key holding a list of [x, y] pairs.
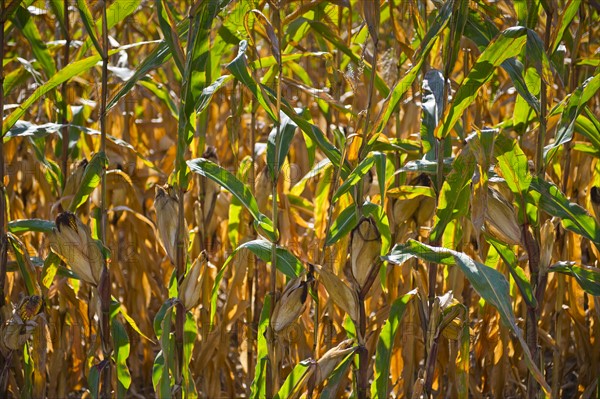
{"points": [[63, 93], [532, 244], [274, 361], [3, 237], [104, 285], [363, 352]]}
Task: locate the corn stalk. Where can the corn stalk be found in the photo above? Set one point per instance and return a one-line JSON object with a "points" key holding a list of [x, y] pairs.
{"points": [[104, 285], [3, 238]]}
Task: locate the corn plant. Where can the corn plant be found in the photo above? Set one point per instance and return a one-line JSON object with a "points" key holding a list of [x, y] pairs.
{"points": [[274, 199]]}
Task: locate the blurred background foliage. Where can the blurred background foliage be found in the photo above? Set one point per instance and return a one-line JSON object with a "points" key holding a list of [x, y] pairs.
{"points": [[466, 134]]}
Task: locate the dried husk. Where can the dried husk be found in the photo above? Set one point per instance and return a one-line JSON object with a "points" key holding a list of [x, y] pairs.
{"points": [[190, 291], [500, 219], [366, 248], [291, 304], [342, 295], [72, 242], [166, 203]]}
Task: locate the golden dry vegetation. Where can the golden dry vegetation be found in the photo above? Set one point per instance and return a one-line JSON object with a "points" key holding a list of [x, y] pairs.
{"points": [[220, 199]]}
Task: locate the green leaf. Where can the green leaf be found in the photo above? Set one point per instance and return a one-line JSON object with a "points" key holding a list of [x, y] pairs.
{"points": [[296, 379], [573, 217], [574, 105], [287, 130], [346, 222], [24, 263], [385, 345], [515, 270], [393, 99], [239, 68], [121, 354], [316, 136], [208, 92], [354, 177], [489, 284], [189, 338], [94, 381], [565, 16], [481, 31], [115, 13], [90, 180], [589, 126], [25, 225], [287, 263], [88, 22], [239, 190], [514, 166], [330, 391], [342, 225], [587, 277], [25, 23], [170, 33], [453, 200], [156, 58], [508, 44], [258, 387], [68, 72], [325, 32]]}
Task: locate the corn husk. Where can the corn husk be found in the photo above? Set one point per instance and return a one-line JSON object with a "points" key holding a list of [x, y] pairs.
{"points": [[190, 290], [343, 296], [331, 359], [209, 189], [500, 219], [366, 248], [262, 189], [548, 237], [72, 242], [74, 179], [291, 304], [166, 203], [29, 307]]}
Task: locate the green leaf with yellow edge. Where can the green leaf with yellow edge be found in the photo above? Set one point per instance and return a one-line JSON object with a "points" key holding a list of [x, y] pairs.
{"points": [[238, 189], [120, 355], [572, 216], [489, 284], [258, 387], [296, 379], [287, 263], [587, 277], [68, 72], [506, 45], [518, 274], [385, 345], [514, 166], [90, 180]]}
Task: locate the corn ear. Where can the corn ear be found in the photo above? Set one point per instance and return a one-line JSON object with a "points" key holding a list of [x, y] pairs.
{"points": [[342, 295], [291, 304], [366, 246], [548, 236], [500, 219], [166, 203], [331, 359], [72, 242], [190, 290]]}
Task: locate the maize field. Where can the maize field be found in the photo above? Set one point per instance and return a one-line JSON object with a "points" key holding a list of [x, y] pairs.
{"points": [[300, 199]]}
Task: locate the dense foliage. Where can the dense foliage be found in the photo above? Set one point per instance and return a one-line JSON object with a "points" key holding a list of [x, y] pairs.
{"points": [[349, 198]]}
